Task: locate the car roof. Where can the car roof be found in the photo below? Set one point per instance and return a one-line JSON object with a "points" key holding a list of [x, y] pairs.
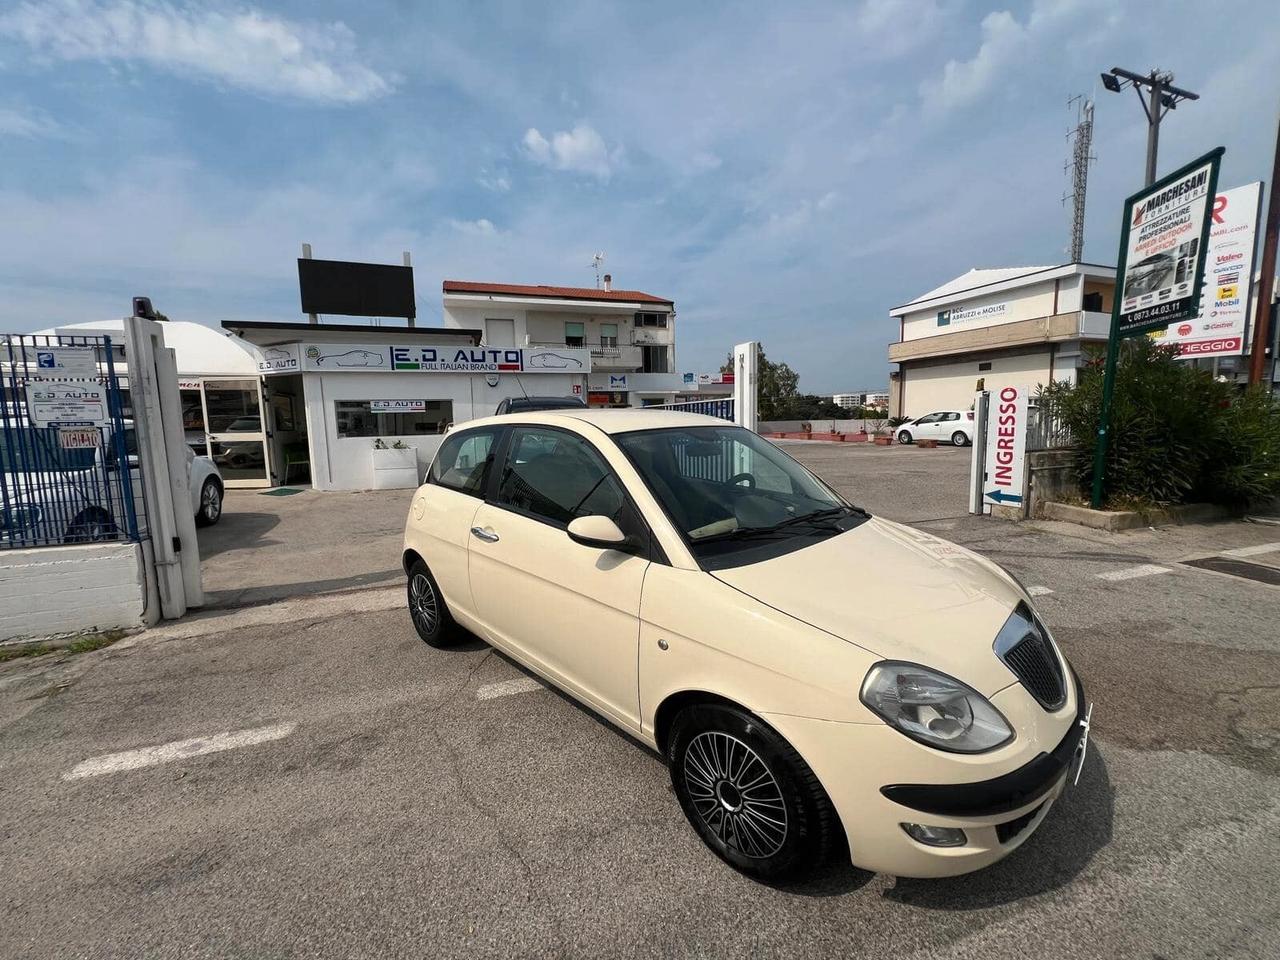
{"points": [[608, 421]]}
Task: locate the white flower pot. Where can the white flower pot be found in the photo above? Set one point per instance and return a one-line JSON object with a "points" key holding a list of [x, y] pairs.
{"points": [[395, 469]]}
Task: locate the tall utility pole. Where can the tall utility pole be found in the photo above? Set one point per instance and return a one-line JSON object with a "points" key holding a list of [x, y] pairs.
{"points": [[1160, 97], [1267, 278], [1081, 157]]}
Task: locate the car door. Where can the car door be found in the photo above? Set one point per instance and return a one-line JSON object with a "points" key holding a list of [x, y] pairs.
{"points": [[926, 428], [570, 611], [948, 425], [442, 511]]}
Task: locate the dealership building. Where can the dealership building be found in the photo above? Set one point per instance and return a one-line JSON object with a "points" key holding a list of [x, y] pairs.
{"points": [[1019, 326], [299, 403]]}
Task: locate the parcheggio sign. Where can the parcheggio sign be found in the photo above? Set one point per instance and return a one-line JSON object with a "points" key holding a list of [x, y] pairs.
{"points": [[1005, 469]]}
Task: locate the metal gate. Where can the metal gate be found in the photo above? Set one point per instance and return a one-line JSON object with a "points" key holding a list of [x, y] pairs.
{"points": [[69, 470]]}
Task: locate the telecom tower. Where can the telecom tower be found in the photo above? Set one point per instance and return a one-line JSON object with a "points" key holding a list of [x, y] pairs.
{"points": [[1081, 156]]}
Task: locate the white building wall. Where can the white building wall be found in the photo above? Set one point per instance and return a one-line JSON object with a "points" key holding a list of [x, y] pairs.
{"points": [[951, 386], [345, 463], [73, 589], [1025, 303]]}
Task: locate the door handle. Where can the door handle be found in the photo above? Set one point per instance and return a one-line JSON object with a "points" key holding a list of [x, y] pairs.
{"points": [[488, 536]]}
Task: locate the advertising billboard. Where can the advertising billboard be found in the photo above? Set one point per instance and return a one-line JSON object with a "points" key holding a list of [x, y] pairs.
{"points": [[415, 358], [1162, 254], [1219, 330], [343, 288]]}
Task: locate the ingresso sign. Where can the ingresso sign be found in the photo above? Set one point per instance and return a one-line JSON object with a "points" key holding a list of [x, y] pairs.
{"points": [[425, 358], [1006, 447], [1219, 329]]}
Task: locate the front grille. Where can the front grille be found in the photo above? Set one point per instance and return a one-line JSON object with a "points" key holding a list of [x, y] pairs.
{"points": [[1027, 651], [1007, 831]]}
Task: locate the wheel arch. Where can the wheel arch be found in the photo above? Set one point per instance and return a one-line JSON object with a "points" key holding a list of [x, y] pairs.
{"points": [[675, 703], [409, 558]]}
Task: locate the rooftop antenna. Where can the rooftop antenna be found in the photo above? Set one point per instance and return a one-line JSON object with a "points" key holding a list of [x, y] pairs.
{"points": [[596, 260], [1081, 140]]}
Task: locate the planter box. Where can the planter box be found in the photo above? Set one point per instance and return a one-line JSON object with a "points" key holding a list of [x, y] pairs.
{"points": [[1131, 519], [926, 444], [395, 469], [883, 441]]}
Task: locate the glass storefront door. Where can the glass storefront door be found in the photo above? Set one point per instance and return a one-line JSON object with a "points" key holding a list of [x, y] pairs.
{"points": [[237, 441]]}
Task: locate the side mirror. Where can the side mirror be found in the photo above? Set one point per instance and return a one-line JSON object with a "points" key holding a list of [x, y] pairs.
{"points": [[597, 531]]}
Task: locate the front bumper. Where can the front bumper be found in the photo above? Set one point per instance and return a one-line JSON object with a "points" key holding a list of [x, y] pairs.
{"points": [[879, 779]]}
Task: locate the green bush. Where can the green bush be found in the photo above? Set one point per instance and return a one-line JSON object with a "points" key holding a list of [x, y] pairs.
{"points": [[1176, 435]]}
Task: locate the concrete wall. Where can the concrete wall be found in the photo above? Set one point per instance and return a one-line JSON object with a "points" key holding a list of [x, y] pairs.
{"points": [[1053, 476], [73, 589], [932, 386], [819, 426]]}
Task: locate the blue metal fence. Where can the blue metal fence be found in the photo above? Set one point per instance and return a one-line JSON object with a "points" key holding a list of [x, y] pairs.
{"points": [[722, 408], [65, 480]]}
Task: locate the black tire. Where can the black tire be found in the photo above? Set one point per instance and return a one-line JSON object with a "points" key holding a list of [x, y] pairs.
{"points": [[427, 609], [744, 837], [210, 509], [904, 436], [959, 439], [91, 526]]}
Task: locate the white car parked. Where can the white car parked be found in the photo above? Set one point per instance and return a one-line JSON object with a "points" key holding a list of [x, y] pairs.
{"points": [[690, 582], [946, 426], [76, 495]]}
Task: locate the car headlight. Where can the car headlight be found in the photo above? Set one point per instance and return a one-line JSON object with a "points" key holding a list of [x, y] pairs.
{"points": [[933, 708]]}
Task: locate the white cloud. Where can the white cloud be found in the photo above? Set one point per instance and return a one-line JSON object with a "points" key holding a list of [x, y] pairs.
{"points": [[243, 47], [1006, 44], [498, 183], [580, 150], [475, 228], [28, 124]]}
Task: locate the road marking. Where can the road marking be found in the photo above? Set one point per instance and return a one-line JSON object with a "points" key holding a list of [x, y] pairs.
{"points": [[178, 750], [1252, 551], [1132, 573], [1039, 591], [509, 688]]}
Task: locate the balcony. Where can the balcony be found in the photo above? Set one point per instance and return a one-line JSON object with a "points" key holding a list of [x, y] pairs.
{"points": [[1041, 330], [624, 356]]}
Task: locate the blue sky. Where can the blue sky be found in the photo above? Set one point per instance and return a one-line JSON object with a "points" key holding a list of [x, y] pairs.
{"points": [[784, 172]]}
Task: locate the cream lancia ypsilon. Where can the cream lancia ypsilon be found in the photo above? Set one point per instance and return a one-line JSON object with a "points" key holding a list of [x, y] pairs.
{"points": [[814, 676]]}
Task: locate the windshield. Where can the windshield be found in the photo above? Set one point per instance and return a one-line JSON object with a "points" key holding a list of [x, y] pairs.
{"points": [[735, 497]]}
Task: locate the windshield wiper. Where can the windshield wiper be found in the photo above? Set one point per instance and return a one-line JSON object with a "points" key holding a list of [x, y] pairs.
{"points": [[823, 519]]}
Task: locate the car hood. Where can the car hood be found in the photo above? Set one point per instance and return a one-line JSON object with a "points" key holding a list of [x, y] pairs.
{"points": [[895, 591]]}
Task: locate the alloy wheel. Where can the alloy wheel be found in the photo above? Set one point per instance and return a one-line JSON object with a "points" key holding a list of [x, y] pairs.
{"points": [[735, 794], [211, 502], [423, 605]]}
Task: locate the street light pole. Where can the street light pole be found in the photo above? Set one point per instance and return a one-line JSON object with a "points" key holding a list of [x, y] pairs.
{"points": [[1161, 97]]}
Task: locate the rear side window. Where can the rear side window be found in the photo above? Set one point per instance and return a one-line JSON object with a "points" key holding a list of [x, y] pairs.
{"points": [[463, 462]]}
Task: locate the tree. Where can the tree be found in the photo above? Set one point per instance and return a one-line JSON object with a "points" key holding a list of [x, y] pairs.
{"points": [[779, 389]]}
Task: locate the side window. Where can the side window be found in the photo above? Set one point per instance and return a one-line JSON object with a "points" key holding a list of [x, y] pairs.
{"points": [[953, 416], [463, 461], [556, 476]]}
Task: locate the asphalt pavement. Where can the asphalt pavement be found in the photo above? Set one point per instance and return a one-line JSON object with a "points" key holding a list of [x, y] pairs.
{"points": [[327, 785]]}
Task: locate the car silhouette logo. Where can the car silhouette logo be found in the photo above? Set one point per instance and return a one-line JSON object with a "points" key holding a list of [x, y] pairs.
{"points": [[553, 361], [352, 358]]}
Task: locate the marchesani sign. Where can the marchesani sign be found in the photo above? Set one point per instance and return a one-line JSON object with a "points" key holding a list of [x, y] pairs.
{"points": [[1166, 233]]}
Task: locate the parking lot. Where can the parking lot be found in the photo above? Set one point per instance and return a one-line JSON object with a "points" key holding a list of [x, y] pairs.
{"points": [[381, 798]]}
